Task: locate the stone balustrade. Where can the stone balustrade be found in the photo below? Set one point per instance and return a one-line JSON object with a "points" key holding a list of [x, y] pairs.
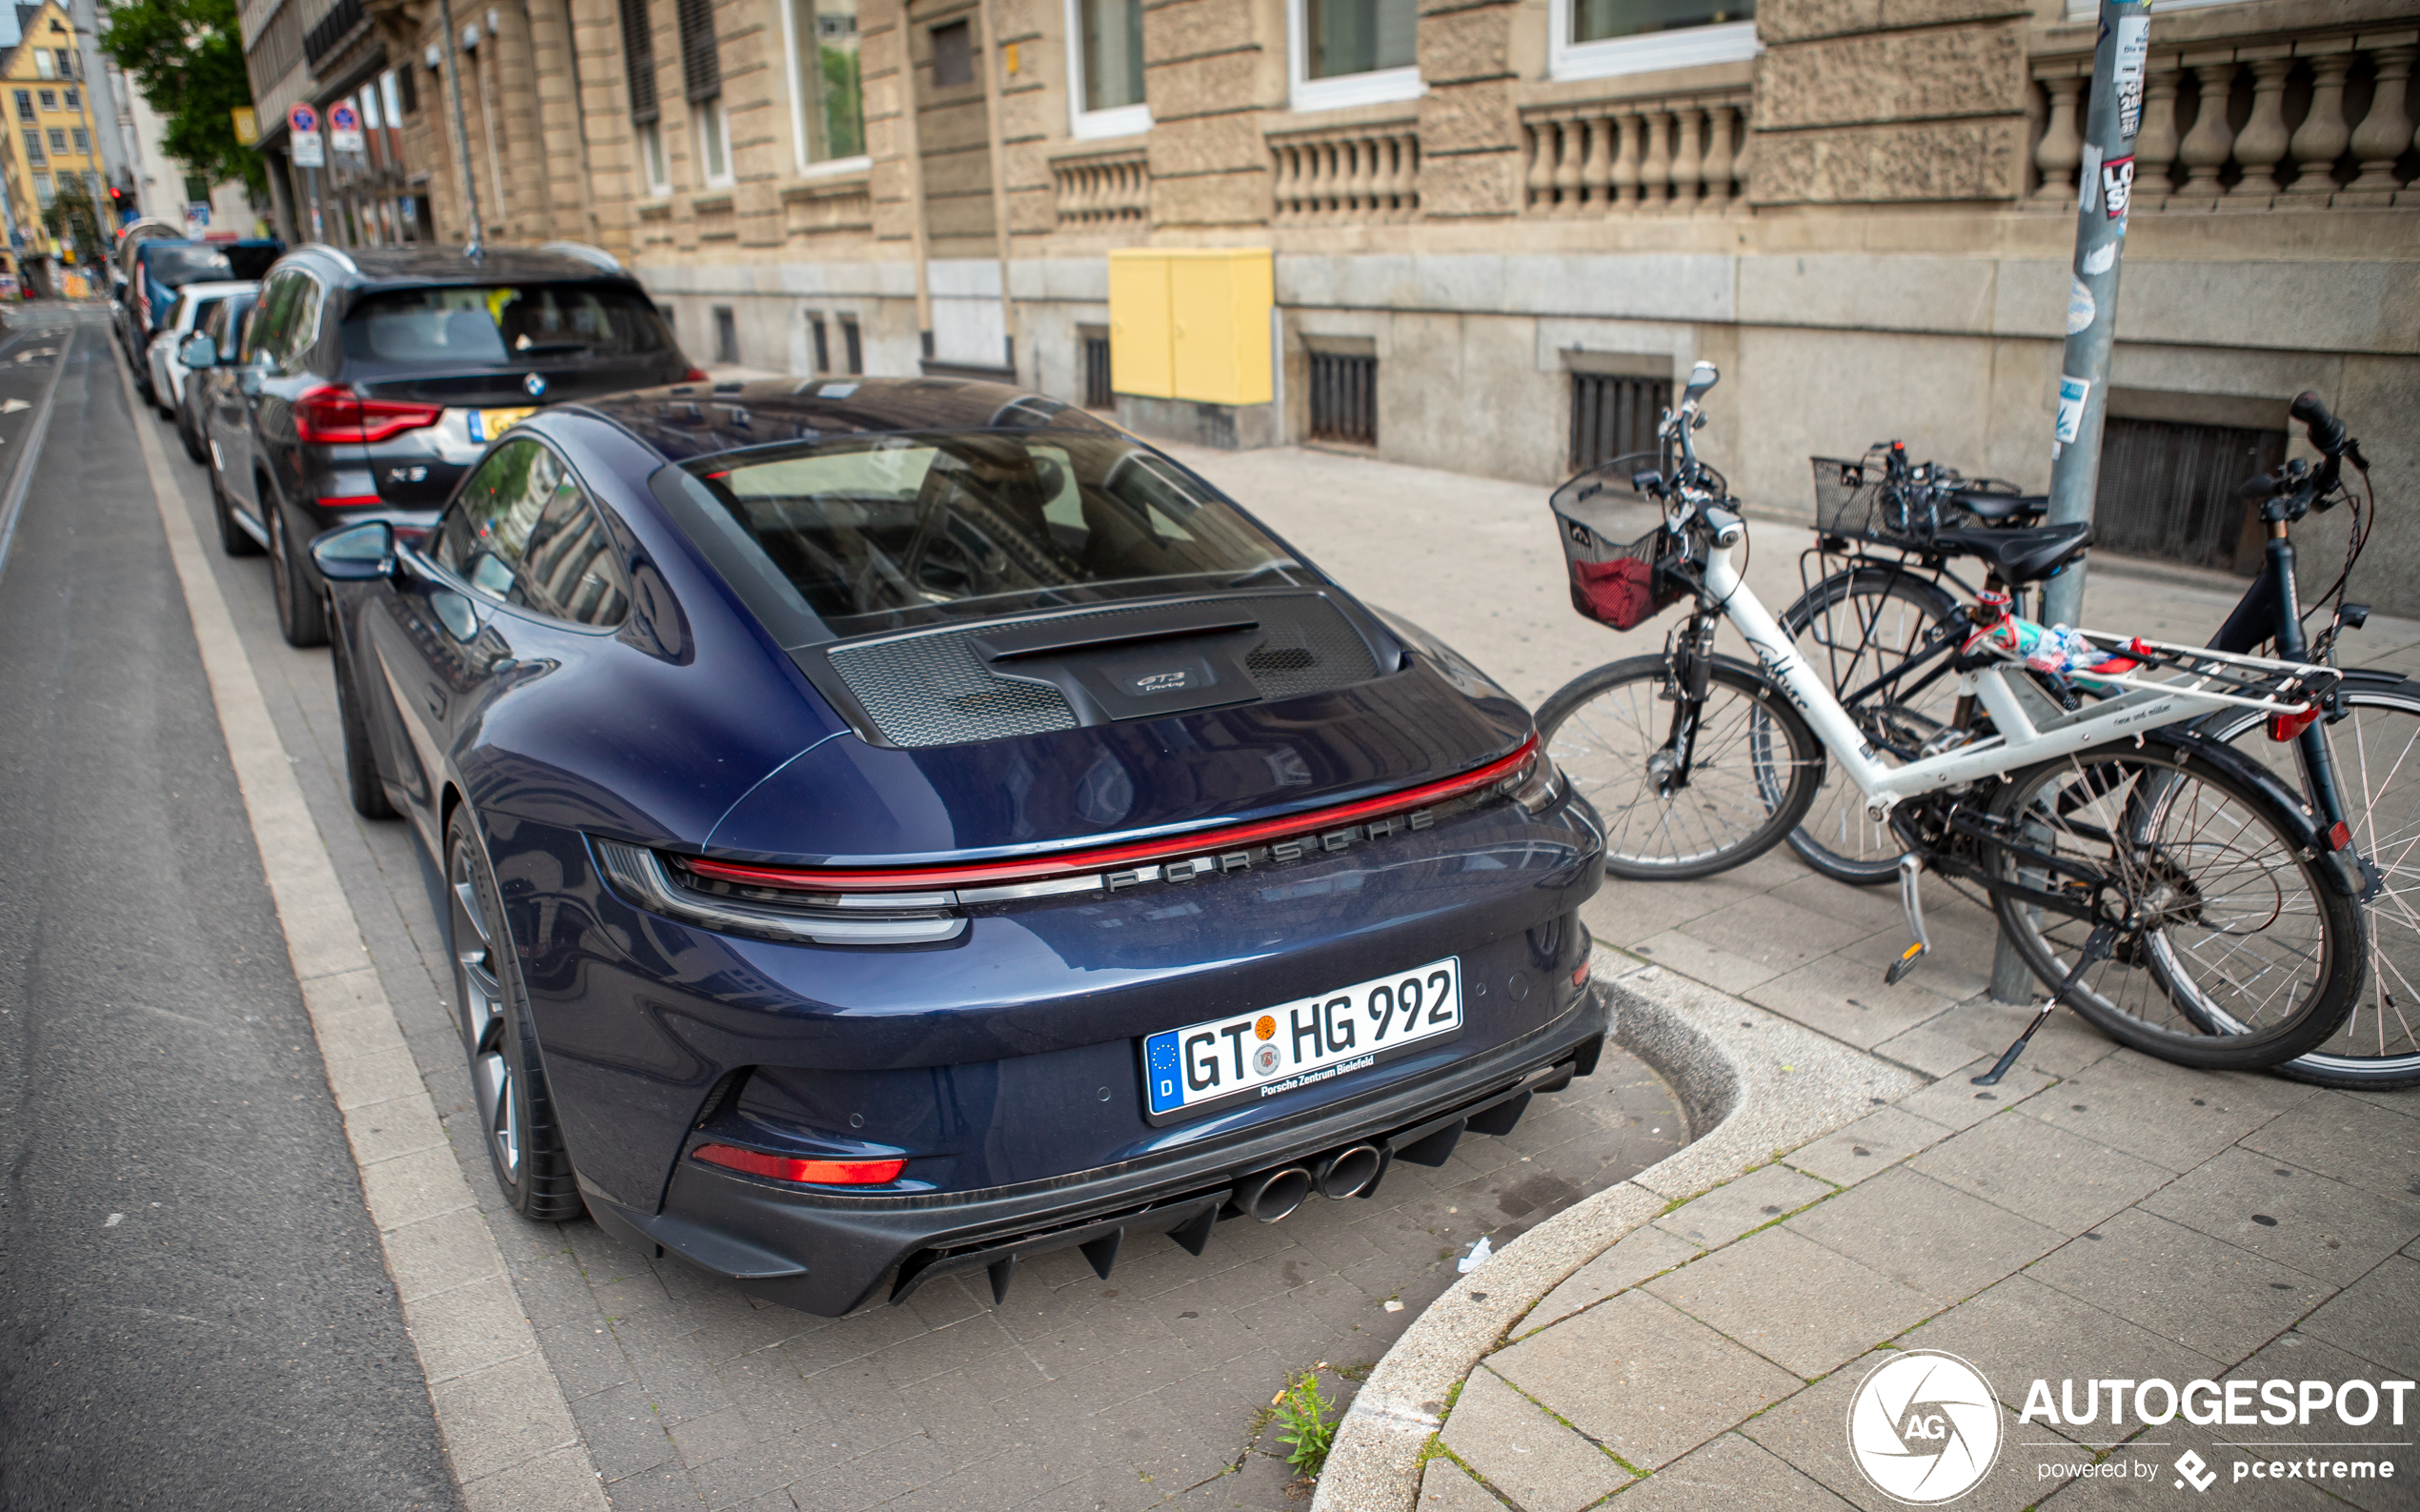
{"points": [[2292, 123], [1346, 175], [1105, 189], [1686, 155]]}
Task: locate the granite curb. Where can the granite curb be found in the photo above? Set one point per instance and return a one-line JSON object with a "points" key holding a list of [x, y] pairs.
{"points": [[1751, 1083]]}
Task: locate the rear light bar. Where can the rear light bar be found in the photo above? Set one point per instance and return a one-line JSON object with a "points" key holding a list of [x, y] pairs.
{"points": [[1517, 772], [791, 1168], [334, 414], [893, 919]]}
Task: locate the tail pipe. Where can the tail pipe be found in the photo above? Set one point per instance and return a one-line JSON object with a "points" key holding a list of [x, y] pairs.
{"points": [[1272, 1195], [1349, 1172]]}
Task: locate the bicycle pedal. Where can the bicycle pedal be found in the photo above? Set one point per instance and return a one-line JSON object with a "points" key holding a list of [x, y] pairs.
{"points": [[1905, 963]]}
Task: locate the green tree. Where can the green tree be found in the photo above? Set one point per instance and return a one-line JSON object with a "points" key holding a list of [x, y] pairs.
{"points": [[187, 59], [73, 219]]}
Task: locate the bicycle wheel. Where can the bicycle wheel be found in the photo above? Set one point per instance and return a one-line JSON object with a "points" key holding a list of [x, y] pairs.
{"points": [[1853, 628], [2250, 956], [1754, 766], [2376, 748]]}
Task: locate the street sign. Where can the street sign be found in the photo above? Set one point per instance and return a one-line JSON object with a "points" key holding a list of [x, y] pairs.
{"points": [[303, 118], [247, 126], [344, 129], [307, 148]]}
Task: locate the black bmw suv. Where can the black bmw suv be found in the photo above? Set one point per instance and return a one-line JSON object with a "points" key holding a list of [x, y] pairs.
{"points": [[368, 381]]}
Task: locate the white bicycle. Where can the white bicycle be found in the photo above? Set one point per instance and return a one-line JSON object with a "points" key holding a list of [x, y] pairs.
{"points": [[2170, 891]]}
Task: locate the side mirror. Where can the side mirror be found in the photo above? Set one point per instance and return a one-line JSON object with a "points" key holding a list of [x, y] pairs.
{"points": [[1702, 377], [356, 553], [198, 352]]}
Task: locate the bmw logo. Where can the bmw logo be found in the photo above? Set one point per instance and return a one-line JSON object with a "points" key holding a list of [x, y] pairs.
{"points": [[536, 384]]}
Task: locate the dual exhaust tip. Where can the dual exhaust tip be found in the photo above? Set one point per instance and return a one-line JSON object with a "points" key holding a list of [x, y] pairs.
{"points": [[1271, 1194]]}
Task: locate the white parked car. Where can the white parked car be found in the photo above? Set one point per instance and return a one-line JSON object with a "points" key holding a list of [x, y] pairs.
{"points": [[193, 304]]}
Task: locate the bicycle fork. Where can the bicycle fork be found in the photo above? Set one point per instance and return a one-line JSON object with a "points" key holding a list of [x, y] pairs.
{"points": [[1691, 656]]}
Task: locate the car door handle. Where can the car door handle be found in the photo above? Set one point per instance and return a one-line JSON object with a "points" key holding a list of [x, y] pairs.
{"points": [[435, 701]]}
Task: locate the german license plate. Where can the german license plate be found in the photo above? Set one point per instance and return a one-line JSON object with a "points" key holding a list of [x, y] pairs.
{"points": [[486, 425], [1301, 1044]]}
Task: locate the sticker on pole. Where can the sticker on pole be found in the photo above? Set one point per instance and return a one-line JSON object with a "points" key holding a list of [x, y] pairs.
{"points": [[2133, 52], [2117, 185], [2072, 396], [344, 129], [2081, 310]]}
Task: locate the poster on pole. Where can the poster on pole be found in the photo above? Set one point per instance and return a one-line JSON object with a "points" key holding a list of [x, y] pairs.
{"points": [[344, 129], [307, 147]]}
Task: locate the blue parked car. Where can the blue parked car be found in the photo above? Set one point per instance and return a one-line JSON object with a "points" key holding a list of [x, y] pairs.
{"points": [[900, 828]]}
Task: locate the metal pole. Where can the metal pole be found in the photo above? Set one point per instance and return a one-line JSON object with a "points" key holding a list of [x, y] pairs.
{"points": [[311, 177], [995, 58], [461, 128], [2105, 185]]}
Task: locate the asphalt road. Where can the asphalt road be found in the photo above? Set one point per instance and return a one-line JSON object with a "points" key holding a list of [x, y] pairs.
{"points": [[193, 1309]]}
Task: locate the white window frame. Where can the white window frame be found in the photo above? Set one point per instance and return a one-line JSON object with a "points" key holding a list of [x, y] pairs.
{"points": [[1377, 87], [798, 107], [710, 115], [1084, 122], [1648, 52], [654, 168]]}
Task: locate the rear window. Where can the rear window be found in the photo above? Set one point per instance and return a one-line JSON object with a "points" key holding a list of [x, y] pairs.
{"points": [[503, 324], [869, 530], [174, 266]]}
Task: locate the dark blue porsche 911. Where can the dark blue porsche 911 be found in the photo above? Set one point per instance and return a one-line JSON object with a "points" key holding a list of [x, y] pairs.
{"points": [[891, 829]]}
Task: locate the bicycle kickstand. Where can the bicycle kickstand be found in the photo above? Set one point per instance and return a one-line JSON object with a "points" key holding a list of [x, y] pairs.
{"points": [[1911, 900], [2097, 948]]}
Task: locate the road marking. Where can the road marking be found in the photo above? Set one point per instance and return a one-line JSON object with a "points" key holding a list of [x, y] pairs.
{"points": [[14, 504], [508, 1432]]}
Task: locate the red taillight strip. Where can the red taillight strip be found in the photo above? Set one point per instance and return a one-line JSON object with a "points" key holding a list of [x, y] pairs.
{"points": [[1026, 869], [791, 1168]]}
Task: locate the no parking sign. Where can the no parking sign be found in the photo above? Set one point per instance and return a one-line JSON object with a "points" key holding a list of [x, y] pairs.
{"points": [[307, 148], [344, 128]]}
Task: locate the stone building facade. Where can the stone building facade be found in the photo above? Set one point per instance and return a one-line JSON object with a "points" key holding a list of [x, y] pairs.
{"points": [[1500, 228]]}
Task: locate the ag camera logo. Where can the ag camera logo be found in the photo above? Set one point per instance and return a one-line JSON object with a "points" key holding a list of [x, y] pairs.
{"points": [[1924, 1427]]}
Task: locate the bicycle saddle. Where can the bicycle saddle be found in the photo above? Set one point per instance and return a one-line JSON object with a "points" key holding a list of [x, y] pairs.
{"points": [[1996, 509], [2020, 555]]}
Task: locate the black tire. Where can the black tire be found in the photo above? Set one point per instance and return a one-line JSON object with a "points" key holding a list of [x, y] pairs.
{"points": [[1754, 754], [2261, 952], [508, 1079], [1851, 628], [2377, 749], [191, 435], [301, 616], [362, 784], [232, 538]]}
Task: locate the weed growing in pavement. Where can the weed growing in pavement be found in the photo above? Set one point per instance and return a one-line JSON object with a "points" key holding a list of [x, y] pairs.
{"points": [[1303, 1413]]}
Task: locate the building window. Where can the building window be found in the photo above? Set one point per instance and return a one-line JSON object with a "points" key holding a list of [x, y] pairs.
{"points": [[1104, 57], [42, 190], [650, 155], [700, 65], [196, 189], [25, 105], [50, 99], [69, 99], [820, 341], [1613, 415], [66, 64], [726, 335], [1094, 341], [828, 108], [83, 140], [952, 55], [714, 143], [1345, 397], [44, 65], [638, 54], [403, 95], [58, 140], [1600, 38], [1347, 52], [851, 345], [33, 147]]}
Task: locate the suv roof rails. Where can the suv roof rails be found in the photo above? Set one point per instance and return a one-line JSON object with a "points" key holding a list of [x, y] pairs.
{"points": [[595, 257]]}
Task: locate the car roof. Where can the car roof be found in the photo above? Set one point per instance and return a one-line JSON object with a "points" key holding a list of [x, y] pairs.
{"points": [[691, 420], [218, 288], [421, 265]]}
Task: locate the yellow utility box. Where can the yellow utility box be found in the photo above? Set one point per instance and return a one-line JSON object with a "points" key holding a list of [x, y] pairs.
{"points": [[1191, 323]]}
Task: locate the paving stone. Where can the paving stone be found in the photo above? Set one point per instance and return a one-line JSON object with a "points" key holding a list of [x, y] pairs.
{"points": [[775, 1461], [2209, 1295], [1634, 1257], [1868, 1147], [2163, 1114], [1641, 1379], [1772, 931], [623, 1433], [1956, 1102], [1695, 958], [1752, 1201], [1797, 1303], [1446, 1486], [1263, 1482], [1809, 1433], [1733, 1473], [2040, 1172], [1982, 1026], [1865, 909], [2295, 1356], [2377, 1318], [2290, 1213], [2159, 1449], [586, 1357], [1935, 1238], [1847, 1000], [665, 1488], [1542, 1464], [2355, 1141], [2022, 1331], [714, 1436]]}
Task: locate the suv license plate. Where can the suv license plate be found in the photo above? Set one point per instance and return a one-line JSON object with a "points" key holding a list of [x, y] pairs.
{"points": [[1300, 1043], [486, 425]]}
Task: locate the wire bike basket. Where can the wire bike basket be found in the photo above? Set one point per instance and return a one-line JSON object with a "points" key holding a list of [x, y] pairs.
{"points": [[1616, 582], [1859, 500]]}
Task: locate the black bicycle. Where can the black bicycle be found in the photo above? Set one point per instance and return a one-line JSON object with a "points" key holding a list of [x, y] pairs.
{"points": [[1884, 620]]}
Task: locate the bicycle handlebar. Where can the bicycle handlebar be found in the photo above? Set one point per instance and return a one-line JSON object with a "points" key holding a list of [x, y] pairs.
{"points": [[2326, 432]]}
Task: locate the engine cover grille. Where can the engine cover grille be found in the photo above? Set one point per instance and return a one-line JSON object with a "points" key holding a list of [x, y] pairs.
{"points": [[935, 688]]}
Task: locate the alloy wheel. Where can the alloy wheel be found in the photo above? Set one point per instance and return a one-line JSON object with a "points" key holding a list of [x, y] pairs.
{"points": [[484, 1023]]}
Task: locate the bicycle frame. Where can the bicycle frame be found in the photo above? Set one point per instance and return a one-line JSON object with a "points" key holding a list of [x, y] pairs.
{"points": [[2018, 740]]}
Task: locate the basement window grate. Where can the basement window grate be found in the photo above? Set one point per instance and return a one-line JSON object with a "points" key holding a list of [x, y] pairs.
{"points": [[726, 335], [1098, 393], [1344, 397], [1614, 416], [2168, 491]]}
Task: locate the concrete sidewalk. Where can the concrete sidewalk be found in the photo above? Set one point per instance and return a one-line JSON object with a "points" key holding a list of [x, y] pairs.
{"points": [[2097, 1214]]}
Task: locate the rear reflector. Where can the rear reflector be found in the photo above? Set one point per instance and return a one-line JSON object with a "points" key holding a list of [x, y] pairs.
{"points": [[790, 1168], [2338, 835], [349, 501], [2285, 727], [1580, 975], [931, 878]]}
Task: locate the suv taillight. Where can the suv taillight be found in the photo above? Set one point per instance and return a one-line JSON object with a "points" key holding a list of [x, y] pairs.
{"points": [[336, 414]]}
